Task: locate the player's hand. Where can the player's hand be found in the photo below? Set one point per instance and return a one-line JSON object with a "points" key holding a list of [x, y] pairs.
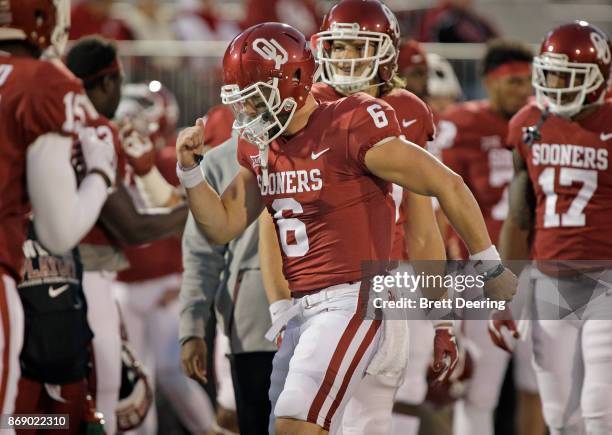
{"points": [[276, 310], [99, 155], [190, 145], [193, 359], [502, 287], [503, 330], [139, 150], [445, 352]]}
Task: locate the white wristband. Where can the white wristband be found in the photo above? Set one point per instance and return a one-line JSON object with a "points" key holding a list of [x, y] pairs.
{"points": [[191, 177], [279, 307], [489, 254]]}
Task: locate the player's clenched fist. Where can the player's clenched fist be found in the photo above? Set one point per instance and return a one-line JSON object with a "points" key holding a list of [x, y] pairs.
{"points": [[193, 359], [190, 142]]}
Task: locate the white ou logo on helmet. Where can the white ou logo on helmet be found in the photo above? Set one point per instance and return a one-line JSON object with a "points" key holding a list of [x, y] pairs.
{"points": [[271, 50], [602, 47], [394, 25]]}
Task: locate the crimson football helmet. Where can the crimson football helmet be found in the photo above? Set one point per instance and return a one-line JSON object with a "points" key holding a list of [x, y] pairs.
{"points": [[135, 395], [411, 54], [151, 109], [572, 69], [267, 74], [373, 29], [42, 23]]}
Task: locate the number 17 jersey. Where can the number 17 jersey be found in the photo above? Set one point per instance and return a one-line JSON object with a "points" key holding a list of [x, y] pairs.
{"points": [[569, 169], [331, 214]]}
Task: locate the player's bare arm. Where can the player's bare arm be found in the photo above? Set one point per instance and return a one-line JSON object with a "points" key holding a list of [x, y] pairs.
{"points": [[277, 287], [134, 227], [514, 237], [221, 218], [413, 168]]}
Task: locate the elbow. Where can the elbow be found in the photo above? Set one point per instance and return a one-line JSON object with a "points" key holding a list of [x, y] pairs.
{"points": [[214, 237], [455, 184]]}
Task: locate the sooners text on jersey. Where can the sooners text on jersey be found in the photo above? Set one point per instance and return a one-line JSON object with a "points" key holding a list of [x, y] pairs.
{"points": [[330, 213]]}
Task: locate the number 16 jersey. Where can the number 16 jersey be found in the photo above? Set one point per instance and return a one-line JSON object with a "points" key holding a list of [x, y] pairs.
{"points": [[331, 214]]}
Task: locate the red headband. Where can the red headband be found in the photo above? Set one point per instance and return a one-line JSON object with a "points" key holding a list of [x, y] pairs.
{"points": [[113, 68], [510, 68]]}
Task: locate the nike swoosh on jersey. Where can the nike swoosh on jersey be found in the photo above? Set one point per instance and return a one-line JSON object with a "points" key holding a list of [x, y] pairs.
{"points": [[408, 122], [315, 156], [55, 292], [604, 137]]}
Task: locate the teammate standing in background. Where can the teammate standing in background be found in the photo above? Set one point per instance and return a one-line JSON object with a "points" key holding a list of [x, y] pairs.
{"points": [[43, 112], [148, 290], [412, 67], [561, 201], [472, 143], [350, 64]]}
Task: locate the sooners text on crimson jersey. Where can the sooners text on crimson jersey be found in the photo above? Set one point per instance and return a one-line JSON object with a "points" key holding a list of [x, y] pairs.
{"points": [[36, 98], [416, 125], [471, 139], [330, 213], [569, 169]]}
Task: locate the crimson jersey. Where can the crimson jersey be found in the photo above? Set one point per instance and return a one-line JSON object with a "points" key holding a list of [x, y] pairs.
{"points": [[416, 125], [161, 257], [331, 213], [36, 98], [107, 132], [568, 167], [471, 139]]}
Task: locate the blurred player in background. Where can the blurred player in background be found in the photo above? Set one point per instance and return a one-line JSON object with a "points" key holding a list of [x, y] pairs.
{"points": [[95, 62], [43, 112], [148, 290], [561, 201], [413, 68], [472, 142], [443, 87]]}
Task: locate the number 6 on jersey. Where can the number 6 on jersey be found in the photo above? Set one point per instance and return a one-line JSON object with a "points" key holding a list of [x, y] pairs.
{"points": [[290, 225]]}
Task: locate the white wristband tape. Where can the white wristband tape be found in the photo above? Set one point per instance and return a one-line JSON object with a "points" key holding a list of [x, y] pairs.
{"points": [[489, 254], [191, 177]]}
